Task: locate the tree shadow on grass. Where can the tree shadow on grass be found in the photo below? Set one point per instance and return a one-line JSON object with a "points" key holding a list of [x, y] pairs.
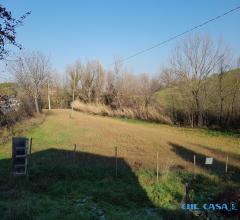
{"points": [[218, 167], [67, 185], [219, 152]]}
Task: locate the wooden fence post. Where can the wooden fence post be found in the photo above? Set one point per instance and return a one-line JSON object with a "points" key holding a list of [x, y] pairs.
{"points": [[30, 147], [226, 169], [157, 166], [29, 158], [194, 163], [116, 162], [74, 153]]}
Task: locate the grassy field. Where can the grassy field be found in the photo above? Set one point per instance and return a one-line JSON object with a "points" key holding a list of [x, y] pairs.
{"points": [[64, 185]]}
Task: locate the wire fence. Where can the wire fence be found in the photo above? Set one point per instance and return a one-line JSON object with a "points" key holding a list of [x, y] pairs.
{"points": [[120, 159]]}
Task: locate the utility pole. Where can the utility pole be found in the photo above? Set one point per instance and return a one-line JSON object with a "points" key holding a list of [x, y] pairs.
{"points": [[73, 92], [49, 98], [74, 86]]}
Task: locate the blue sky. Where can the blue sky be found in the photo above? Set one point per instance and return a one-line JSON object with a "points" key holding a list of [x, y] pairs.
{"points": [[71, 30]]}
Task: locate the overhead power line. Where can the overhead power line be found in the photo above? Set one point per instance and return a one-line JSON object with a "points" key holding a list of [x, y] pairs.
{"points": [[179, 35]]}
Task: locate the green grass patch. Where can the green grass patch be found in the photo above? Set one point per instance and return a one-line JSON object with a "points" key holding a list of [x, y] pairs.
{"points": [[58, 188], [217, 133]]}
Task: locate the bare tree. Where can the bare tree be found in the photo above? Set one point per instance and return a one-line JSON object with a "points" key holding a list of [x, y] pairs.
{"points": [[118, 81], [193, 61], [92, 82], [168, 77], [75, 73], [148, 87], [99, 81], [88, 81], [223, 66], [235, 94], [31, 73]]}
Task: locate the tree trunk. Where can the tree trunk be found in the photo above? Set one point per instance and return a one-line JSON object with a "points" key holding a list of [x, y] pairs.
{"points": [[49, 98], [221, 111], [89, 95], [49, 102], [36, 105], [196, 97], [192, 120]]}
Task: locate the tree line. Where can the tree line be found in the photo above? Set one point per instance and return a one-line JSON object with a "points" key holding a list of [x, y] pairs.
{"points": [[200, 85]]}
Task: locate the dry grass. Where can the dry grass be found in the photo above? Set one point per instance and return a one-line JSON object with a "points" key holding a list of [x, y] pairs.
{"points": [[137, 142], [148, 114]]}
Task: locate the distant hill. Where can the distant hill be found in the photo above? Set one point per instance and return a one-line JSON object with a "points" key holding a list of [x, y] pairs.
{"points": [[178, 102]]}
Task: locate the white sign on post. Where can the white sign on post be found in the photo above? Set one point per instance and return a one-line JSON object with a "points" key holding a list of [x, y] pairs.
{"points": [[209, 160]]}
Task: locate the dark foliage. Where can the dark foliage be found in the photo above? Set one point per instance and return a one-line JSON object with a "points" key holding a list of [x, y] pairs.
{"points": [[8, 26]]}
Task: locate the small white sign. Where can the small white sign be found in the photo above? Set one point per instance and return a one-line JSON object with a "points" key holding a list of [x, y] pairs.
{"points": [[209, 160]]}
